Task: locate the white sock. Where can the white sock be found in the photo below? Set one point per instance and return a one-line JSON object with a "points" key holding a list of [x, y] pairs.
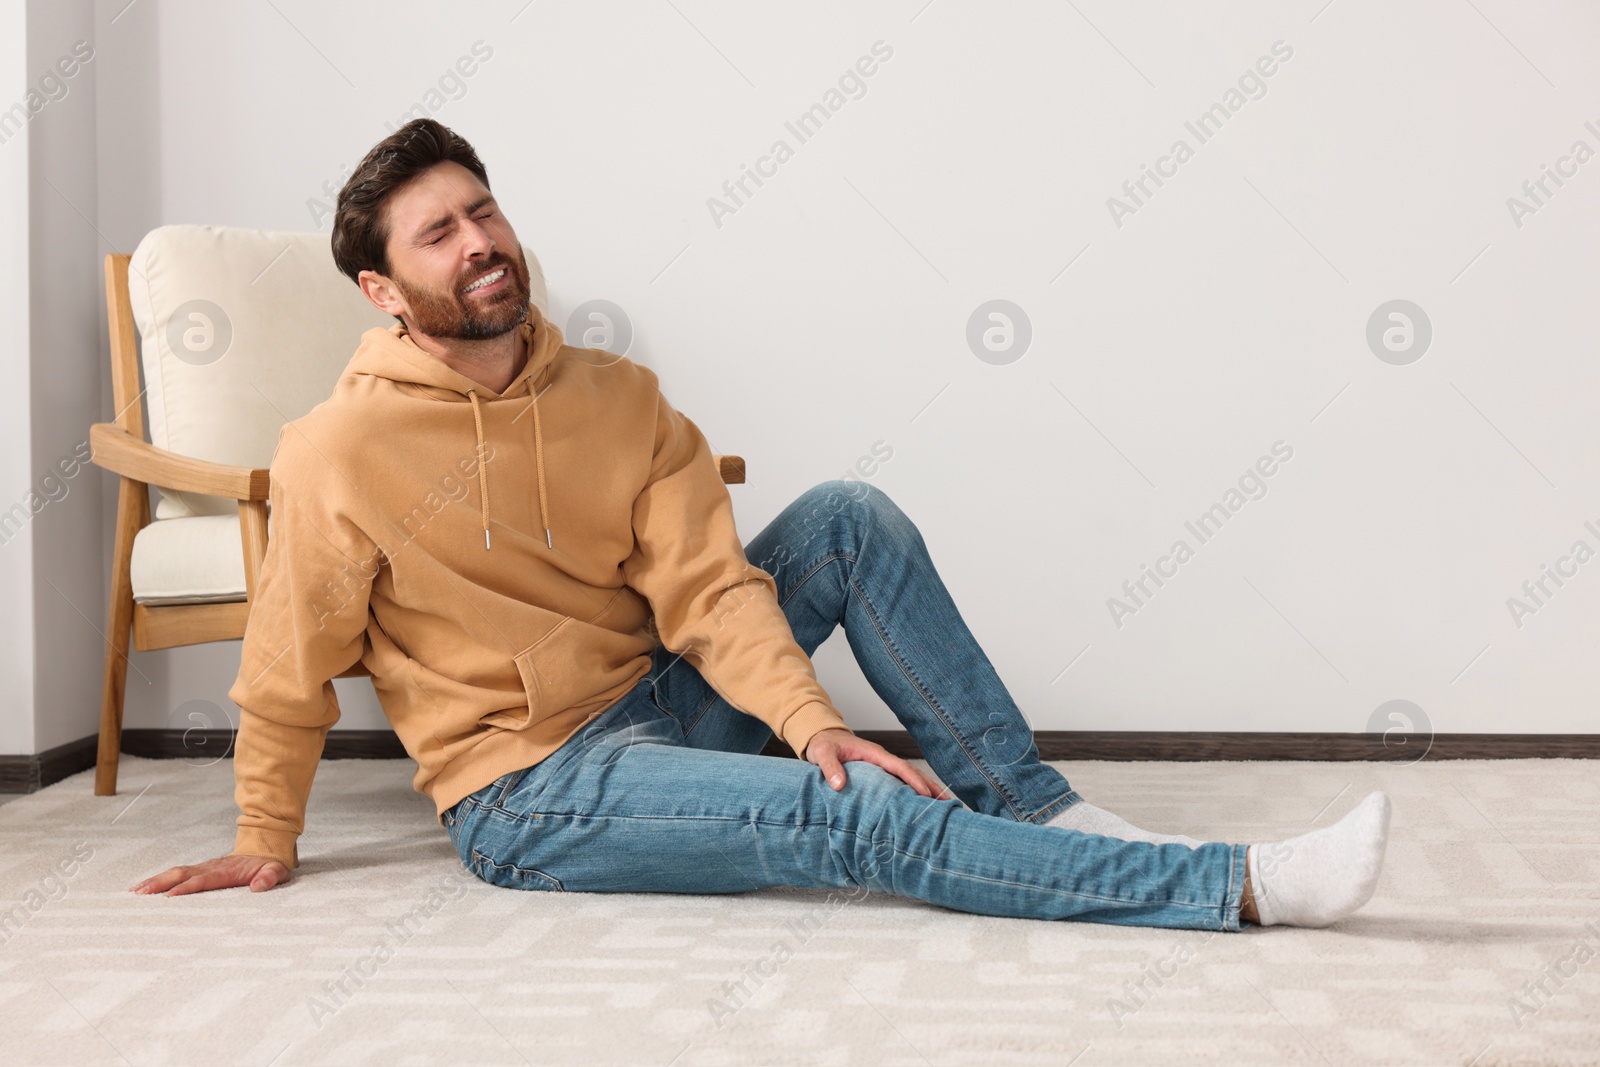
{"points": [[1322, 876], [1086, 818]]}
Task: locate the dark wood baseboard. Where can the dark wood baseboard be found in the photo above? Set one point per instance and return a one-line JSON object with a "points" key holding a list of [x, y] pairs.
{"points": [[1127, 745], [29, 774], [204, 746], [26, 774]]}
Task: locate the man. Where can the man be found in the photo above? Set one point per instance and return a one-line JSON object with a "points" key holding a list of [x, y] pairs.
{"points": [[586, 665]]}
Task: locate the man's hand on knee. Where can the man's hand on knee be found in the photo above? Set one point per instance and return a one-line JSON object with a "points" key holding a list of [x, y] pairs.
{"points": [[829, 749]]}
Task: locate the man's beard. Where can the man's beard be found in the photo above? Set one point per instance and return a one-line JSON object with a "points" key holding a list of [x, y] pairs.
{"points": [[459, 316]]}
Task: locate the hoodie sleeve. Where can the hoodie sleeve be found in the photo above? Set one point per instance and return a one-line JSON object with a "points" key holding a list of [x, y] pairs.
{"points": [[710, 602], [307, 625]]}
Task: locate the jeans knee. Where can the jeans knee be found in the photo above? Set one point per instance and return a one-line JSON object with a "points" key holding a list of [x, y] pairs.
{"points": [[853, 510], [868, 788], [883, 823], [874, 792], [834, 495]]}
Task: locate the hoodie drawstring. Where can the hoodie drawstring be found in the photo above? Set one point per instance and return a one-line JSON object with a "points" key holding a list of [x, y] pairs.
{"points": [[538, 462], [483, 470]]}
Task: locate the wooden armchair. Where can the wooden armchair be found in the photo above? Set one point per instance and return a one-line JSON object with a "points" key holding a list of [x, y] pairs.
{"points": [[274, 304]]}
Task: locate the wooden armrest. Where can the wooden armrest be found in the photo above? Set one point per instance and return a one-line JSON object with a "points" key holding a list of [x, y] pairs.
{"points": [[117, 450]]}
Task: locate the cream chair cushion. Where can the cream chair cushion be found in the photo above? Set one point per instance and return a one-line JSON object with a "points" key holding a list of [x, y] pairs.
{"points": [[197, 560], [240, 331]]}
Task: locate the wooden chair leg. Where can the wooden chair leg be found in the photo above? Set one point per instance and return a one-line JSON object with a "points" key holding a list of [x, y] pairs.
{"points": [[132, 506], [253, 535]]}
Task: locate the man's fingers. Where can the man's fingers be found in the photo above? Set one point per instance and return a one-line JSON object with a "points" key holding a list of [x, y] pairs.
{"points": [[908, 774], [828, 757], [199, 883], [903, 771], [273, 874], [927, 783], [225, 872], [163, 881], [928, 787], [935, 790], [876, 754], [831, 769]]}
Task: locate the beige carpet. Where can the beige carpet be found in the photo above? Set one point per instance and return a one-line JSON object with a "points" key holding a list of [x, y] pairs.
{"points": [[1482, 945]]}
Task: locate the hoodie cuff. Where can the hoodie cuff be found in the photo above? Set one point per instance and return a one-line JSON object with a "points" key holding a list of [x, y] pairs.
{"points": [[812, 718], [275, 844]]}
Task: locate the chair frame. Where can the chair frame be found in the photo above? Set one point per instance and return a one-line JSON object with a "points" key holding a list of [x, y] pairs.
{"points": [[121, 447]]}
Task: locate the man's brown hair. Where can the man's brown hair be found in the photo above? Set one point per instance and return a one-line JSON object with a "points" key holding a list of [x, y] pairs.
{"points": [[360, 225]]}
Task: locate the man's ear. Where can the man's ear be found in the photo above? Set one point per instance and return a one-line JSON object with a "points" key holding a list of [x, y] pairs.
{"points": [[382, 292]]}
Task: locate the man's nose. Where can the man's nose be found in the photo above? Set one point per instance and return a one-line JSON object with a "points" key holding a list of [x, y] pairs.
{"points": [[477, 241]]}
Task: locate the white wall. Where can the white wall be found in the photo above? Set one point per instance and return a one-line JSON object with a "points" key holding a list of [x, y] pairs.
{"points": [[67, 368], [830, 311], [50, 547], [16, 459]]}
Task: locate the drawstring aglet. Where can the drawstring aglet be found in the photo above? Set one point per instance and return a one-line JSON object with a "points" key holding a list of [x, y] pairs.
{"points": [[547, 543], [486, 538]]}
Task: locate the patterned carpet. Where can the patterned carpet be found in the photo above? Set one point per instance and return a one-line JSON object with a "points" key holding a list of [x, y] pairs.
{"points": [[1481, 947]]}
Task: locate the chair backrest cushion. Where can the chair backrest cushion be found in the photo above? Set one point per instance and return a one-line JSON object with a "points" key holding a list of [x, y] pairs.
{"points": [[241, 331]]}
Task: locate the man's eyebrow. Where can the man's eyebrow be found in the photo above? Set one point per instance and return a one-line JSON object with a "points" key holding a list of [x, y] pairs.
{"points": [[444, 220]]}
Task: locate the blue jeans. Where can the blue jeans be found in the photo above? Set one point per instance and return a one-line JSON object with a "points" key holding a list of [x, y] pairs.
{"points": [[666, 791]]}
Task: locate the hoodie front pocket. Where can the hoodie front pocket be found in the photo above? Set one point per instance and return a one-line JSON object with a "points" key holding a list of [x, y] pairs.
{"points": [[569, 669]]}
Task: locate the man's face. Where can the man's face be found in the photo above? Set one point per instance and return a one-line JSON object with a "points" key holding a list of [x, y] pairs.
{"points": [[455, 263]]}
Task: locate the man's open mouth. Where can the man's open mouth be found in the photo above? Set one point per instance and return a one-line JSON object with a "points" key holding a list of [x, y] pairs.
{"points": [[488, 283]]}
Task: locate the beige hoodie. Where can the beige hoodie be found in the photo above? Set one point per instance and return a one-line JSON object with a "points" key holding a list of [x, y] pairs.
{"points": [[495, 624]]}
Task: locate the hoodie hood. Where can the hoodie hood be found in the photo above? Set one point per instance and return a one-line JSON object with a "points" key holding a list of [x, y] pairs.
{"points": [[392, 354]]}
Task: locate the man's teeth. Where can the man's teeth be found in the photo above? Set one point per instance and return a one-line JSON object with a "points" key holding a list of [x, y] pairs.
{"points": [[487, 279]]}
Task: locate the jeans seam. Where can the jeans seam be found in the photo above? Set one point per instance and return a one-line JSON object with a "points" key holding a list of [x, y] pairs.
{"points": [[1233, 902], [922, 691], [828, 826], [812, 572], [916, 683], [926, 862], [1166, 902], [517, 816], [459, 815], [689, 724], [711, 699]]}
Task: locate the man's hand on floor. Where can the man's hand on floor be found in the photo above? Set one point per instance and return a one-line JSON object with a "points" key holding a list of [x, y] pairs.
{"points": [[830, 748], [226, 872]]}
